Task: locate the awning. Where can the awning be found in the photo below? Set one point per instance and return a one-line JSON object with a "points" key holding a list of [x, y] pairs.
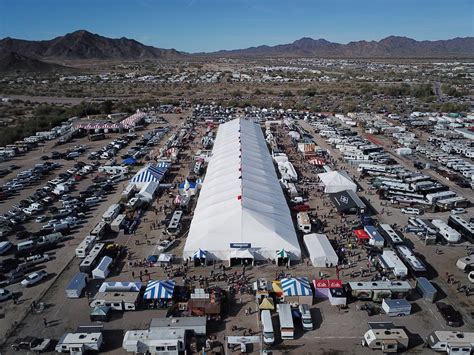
{"points": [[276, 286], [361, 234], [282, 254], [165, 258], [298, 286], [159, 290], [267, 303], [199, 254], [120, 286], [241, 254], [317, 161]]}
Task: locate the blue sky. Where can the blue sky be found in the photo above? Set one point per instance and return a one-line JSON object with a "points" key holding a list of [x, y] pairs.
{"points": [[208, 25]]}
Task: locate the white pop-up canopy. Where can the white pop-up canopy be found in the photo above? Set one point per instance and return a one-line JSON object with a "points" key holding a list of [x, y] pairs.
{"points": [[241, 204], [336, 181], [321, 252]]}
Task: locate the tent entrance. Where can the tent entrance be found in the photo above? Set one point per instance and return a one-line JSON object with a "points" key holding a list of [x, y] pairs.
{"points": [[241, 257]]}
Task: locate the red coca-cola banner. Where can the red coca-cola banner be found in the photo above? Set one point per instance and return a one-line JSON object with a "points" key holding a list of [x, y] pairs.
{"points": [[327, 283]]}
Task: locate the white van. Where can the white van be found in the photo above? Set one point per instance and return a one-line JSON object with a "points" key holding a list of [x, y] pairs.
{"points": [[92, 201], [268, 334], [304, 223], [306, 318]]}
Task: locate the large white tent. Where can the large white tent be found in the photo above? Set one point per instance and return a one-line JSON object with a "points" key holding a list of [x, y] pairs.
{"points": [[336, 181], [321, 252], [241, 211]]}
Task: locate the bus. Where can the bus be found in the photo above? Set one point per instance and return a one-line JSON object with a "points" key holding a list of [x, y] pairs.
{"points": [[465, 228], [174, 225], [93, 258], [443, 195]]}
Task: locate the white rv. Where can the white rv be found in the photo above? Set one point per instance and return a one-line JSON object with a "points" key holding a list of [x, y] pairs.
{"points": [[388, 339], [445, 231], [451, 342], [287, 328], [267, 325], [79, 343], [118, 301], [304, 223], [111, 213]]}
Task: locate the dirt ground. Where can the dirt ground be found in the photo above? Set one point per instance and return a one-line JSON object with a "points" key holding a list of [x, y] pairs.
{"points": [[335, 331]]}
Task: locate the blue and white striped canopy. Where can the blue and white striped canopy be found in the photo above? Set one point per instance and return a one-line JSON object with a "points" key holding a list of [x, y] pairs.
{"points": [[199, 254], [298, 286], [159, 289], [163, 164], [150, 174]]}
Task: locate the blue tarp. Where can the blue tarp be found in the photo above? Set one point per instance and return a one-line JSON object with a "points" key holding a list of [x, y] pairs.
{"points": [[130, 161], [159, 290]]}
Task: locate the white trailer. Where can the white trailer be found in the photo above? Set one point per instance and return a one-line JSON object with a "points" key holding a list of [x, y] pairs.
{"points": [[388, 338], [103, 268], [446, 232], [79, 343], [451, 342], [390, 260], [76, 285], [287, 328], [86, 245], [117, 223], [117, 301], [396, 308]]}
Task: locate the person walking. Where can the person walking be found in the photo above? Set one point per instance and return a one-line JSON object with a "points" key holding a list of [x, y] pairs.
{"points": [[45, 322]]}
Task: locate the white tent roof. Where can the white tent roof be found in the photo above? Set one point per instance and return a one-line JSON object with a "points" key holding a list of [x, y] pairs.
{"points": [[241, 200], [320, 250], [336, 181]]}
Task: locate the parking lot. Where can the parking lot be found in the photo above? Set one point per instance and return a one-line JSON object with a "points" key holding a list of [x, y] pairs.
{"points": [[336, 330]]}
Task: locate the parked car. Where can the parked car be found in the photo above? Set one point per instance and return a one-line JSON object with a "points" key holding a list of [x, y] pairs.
{"points": [[36, 345], [301, 208], [4, 247], [411, 211], [458, 211], [164, 245], [452, 317], [34, 278], [4, 294]]}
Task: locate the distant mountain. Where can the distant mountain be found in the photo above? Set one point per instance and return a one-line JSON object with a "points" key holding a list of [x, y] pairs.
{"points": [[83, 45], [390, 47], [14, 62]]}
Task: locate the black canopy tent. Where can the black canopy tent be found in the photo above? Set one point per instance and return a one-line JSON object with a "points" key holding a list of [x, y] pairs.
{"points": [[347, 201]]}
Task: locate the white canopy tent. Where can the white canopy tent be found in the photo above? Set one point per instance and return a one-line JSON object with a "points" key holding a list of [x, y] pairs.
{"points": [[241, 204], [337, 181], [321, 252]]}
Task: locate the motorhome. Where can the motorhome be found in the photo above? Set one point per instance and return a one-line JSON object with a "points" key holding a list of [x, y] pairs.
{"points": [[446, 232], [100, 230], [451, 342], [111, 213], [390, 261], [386, 337], [304, 222], [390, 235], [92, 258], [416, 266], [462, 226], [267, 325], [466, 263], [443, 195], [174, 226], [128, 193], [117, 223], [79, 343], [86, 245], [287, 328]]}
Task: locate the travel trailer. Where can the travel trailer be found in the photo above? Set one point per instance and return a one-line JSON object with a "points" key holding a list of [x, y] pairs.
{"points": [[451, 342], [385, 337]]}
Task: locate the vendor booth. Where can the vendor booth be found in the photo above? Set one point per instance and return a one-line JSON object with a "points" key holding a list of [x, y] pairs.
{"points": [[361, 235], [331, 290], [282, 257], [200, 257], [297, 290], [160, 292], [241, 257]]}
